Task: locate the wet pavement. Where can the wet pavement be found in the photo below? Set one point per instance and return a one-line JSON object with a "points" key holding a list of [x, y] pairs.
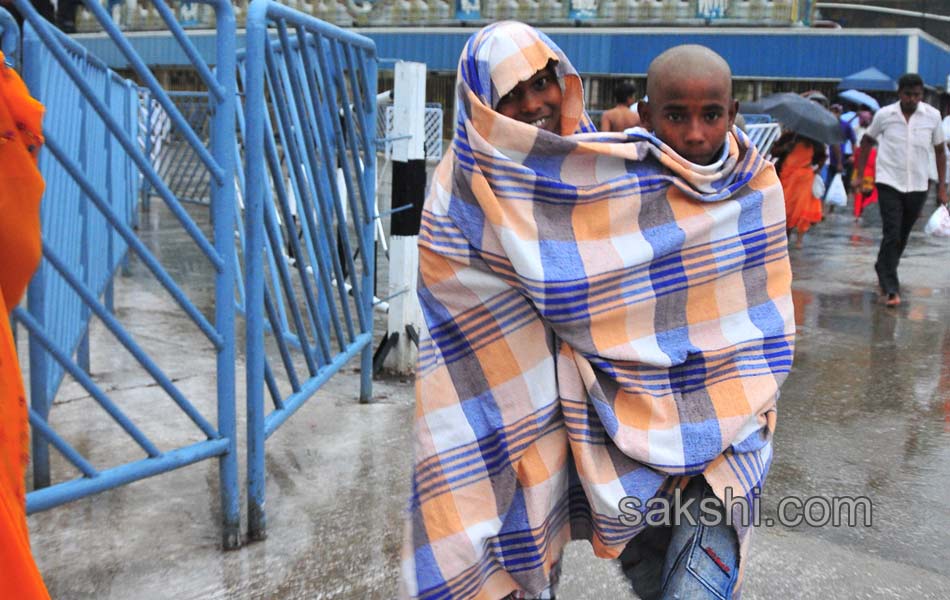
{"points": [[865, 413]]}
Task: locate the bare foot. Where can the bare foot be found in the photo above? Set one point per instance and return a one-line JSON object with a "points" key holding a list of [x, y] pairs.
{"points": [[893, 300]]}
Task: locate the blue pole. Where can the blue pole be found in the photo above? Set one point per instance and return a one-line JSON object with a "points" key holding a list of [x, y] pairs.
{"points": [[254, 267], [9, 36], [367, 229], [223, 201], [146, 193], [36, 295], [85, 258]]}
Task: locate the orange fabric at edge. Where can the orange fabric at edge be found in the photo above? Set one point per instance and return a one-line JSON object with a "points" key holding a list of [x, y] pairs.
{"points": [[21, 186]]}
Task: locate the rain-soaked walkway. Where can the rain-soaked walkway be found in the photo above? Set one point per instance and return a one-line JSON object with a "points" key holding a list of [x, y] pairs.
{"points": [[866, 412]]}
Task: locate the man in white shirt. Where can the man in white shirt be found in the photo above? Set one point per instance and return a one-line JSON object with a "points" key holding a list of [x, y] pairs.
{"points": [[946, 136], [905, 132]]}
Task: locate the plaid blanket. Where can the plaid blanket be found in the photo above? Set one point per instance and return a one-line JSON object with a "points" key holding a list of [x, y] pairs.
{"points": [[604, 320]]}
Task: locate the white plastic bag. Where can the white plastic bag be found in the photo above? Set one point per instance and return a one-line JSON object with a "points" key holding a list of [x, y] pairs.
{"points": [[939, 223], [836, 195], [818, 186]]}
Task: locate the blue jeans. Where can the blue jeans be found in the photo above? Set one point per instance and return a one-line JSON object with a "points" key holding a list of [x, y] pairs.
{"points": [[687, 560]]}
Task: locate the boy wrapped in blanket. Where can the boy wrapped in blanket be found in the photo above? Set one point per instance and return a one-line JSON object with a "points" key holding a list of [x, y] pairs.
{"points": [[609, 320]]}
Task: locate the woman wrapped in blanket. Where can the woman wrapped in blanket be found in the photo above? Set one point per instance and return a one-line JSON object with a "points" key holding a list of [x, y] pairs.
{"points": [[608, 321]]}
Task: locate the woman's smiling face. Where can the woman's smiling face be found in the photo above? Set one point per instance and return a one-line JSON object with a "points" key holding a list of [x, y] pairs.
{"points": [[536, 101]]}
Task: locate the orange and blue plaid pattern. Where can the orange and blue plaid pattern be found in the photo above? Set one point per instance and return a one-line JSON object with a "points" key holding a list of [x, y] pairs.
{"points": [[604, 319]]}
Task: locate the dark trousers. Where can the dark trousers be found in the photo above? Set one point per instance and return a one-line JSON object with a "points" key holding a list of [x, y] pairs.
{"points": [[899, 212]]}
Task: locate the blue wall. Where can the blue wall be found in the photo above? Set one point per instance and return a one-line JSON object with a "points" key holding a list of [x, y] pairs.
{"points": [[755, 53], [786, 55], [934, 63]]}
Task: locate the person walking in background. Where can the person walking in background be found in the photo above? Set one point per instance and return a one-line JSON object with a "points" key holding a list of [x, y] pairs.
{"points": [[620, 117], [946, 137], [863, 180], [799, 158], [904, 133], [21, 186], [843, 154]]}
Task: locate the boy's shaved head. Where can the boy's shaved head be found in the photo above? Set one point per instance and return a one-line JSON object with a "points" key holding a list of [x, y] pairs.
{"points": [[690, 105], [689, 61]]}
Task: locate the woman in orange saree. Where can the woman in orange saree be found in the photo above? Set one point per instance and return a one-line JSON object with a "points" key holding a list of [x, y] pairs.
{"points": [[21, 186], [798, 158], [863, 200]]}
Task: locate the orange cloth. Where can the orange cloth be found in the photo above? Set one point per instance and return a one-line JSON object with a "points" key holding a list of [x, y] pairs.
{"points": [[862, 201], [21, 186], [802, 208]]}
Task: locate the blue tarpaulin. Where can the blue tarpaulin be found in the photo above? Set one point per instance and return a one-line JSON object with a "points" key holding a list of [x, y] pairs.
{"points": [[869, 79]]}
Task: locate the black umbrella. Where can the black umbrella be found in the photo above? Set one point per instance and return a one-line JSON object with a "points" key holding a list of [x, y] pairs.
{"points": [[800, 115]]}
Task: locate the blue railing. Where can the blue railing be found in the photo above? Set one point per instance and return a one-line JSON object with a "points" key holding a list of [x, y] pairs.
{"points": [[93, 164], [306, 135], [79, 236], [310, 185], [9, 36]]}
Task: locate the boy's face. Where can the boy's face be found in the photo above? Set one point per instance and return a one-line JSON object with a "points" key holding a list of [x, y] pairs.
{"points": [[691, 116], [536, 101]]}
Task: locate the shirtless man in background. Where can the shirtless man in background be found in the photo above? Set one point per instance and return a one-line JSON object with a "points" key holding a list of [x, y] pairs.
{"points": [[621, 117]]}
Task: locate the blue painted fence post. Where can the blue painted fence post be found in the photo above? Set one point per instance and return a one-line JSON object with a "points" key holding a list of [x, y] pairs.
{"points": [[36, 293], [223, 127], [146, 191], [254, 266], [85, 150], [368, 232]]}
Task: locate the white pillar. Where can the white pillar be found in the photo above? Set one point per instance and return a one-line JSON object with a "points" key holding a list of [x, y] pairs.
{"points": [[913, 53], [408, 160]]}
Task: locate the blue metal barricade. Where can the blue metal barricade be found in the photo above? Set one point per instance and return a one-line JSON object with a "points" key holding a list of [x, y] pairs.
{"points": [[93, 163], [9, 36], [176, 160], [309, 123], [763, 135]]}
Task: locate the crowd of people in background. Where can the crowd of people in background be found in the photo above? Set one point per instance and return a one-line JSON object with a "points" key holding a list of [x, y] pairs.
{"points": [[808, 168], [890, 157]]}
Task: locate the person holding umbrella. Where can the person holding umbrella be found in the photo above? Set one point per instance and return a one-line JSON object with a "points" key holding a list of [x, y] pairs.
{"points": [[842, 154], [903, 132], [801, 151], [799, 158]]}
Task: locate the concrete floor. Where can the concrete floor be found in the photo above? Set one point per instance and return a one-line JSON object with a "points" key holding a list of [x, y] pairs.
{"points": [[866, 412]]}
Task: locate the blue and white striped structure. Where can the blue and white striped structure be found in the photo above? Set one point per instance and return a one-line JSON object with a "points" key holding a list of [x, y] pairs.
{"points": [[92, 172], [309, 256]]}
